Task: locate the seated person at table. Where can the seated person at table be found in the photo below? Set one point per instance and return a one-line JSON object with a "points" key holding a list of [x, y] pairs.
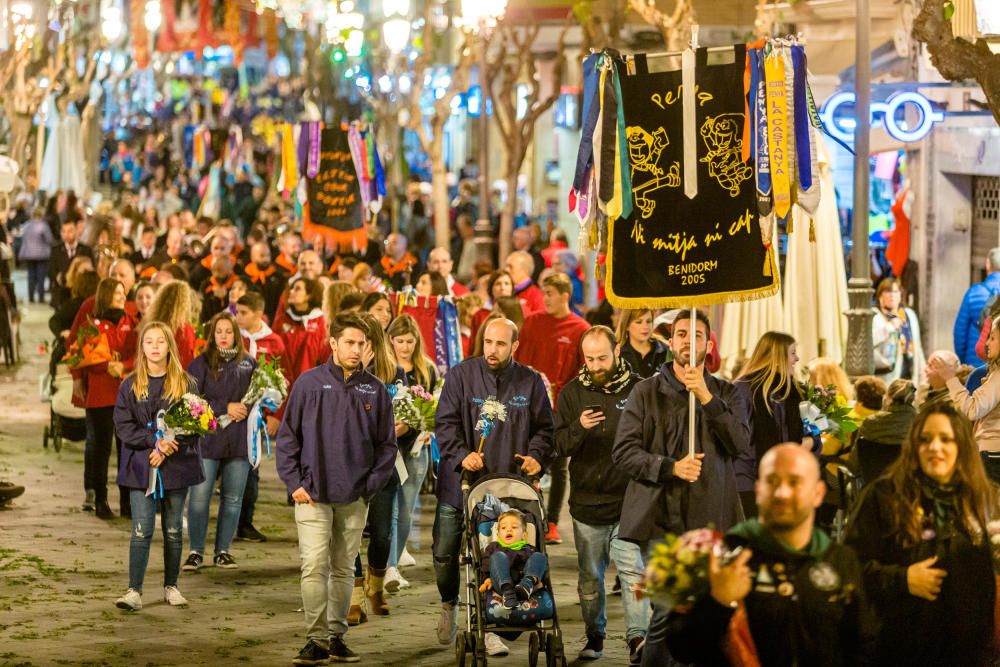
{"points": [[510, 556]]}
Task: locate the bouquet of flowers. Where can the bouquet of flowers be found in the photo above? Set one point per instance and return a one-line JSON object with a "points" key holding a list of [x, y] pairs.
{"points": [[267, 377], [413, 405], [268, 386], [491, 412], [677, 571], [192, 415], [200, 341], [90, 348], [677, 574], [826, 410]]}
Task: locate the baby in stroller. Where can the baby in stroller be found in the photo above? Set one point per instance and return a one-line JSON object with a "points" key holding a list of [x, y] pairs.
{"points": [[508, 557]]}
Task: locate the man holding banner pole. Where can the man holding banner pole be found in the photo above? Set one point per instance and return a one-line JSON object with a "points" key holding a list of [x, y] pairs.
{"points": [[674, 487]]}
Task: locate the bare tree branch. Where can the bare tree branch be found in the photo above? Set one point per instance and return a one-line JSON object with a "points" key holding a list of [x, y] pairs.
{"points": [[955, 58], [675, 27]]}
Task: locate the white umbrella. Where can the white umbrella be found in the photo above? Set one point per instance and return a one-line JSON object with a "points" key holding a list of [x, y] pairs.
{"points": [[815, 278], [743, 323]]}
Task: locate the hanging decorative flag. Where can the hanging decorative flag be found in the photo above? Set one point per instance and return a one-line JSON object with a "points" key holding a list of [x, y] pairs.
{"points": [[673, 250], [777, 132], [333, 206]]}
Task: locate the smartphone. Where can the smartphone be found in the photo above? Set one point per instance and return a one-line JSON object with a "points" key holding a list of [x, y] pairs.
{"points": [[594, 408]]}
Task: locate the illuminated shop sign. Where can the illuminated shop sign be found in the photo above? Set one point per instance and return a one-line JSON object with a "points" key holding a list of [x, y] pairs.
{"points": [[889, 114]]}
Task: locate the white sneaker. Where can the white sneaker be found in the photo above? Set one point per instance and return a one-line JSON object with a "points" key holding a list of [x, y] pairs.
{"points": [[494, 646], [131, 601], [406, 560], [394, 580], [173, 597], [448, 623]]}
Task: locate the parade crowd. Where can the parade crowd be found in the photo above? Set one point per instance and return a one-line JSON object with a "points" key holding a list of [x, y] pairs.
{"points": [[901, 572]]}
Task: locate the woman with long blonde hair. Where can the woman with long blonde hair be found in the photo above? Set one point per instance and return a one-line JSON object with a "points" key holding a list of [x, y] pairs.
{"points": [[158, 382], [172, 305], [408, 346], [643, 353], [767, 385]]}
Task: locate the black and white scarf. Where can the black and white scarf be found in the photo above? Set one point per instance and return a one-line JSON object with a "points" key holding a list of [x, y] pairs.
{"points": [[618, 380]]}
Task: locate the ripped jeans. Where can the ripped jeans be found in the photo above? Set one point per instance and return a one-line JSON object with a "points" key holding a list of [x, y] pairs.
{"points": [[144, 523]]}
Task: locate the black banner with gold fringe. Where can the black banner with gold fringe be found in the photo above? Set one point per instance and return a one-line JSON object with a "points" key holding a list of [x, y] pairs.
{"points": [[673, 250]]}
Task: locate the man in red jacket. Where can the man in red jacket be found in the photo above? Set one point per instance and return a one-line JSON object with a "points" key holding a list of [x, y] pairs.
{"points": [[552, 346], [520, 266]]}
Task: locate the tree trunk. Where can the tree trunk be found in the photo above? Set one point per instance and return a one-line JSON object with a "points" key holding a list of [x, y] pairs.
{"points": [[507, 215], [20, 134], [439, 190]]}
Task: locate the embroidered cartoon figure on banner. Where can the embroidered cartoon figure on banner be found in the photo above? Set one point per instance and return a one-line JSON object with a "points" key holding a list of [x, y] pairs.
{"points": [[644, 150], [722, 137]]}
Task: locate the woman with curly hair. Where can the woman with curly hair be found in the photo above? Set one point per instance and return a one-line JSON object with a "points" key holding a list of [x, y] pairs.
{"points": [[921, 533], [172, 305]]}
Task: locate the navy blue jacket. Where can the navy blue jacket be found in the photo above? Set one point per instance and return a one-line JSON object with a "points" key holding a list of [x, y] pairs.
{"points": [[527, 431], [966, 331], [337, 439], [135, 423], [230, 387]]}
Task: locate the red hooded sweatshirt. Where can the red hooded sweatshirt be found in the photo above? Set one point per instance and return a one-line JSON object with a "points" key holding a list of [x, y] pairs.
{"points": [[307, 343]]}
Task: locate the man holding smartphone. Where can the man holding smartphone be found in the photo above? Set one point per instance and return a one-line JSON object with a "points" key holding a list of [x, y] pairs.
{"points": [[587, 414]]}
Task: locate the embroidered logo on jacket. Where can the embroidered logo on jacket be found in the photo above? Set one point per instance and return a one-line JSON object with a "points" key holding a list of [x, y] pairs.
{"points": [[519, 402], [366, 389]]}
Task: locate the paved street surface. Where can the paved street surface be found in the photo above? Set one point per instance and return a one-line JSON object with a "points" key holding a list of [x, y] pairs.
{"points": [[61, 570]]}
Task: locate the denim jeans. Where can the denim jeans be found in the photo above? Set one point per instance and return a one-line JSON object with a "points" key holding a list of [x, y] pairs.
{"points": [[595, 547], [234, 480], [559, 475], [406, 500], [97, 451], [250, 498], [37, 270], [447, 535], [379, 528], [144, 523], [500, 574], [329, 539]]}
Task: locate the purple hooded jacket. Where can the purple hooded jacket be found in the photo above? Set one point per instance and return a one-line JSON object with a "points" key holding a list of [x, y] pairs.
{"points": [[230, 387], [337, 439], [135, 423], [528, 429]]}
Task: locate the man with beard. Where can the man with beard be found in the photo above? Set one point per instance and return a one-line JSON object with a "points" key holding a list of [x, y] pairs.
{"points": [[670, 490], [800, 594], [589, 408], [520, 443]]}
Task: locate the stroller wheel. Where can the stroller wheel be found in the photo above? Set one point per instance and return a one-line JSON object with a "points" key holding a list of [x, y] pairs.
{"points": [[554, 652], [57, 442], [533, 644], [45, 438], [462, 647]]}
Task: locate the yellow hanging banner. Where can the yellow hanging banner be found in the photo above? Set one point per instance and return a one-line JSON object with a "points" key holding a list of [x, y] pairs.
{"points": [[777, 133]]}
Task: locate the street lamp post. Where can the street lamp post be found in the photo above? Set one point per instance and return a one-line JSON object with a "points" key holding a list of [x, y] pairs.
{"points": [[482, 17], [859, 358]]}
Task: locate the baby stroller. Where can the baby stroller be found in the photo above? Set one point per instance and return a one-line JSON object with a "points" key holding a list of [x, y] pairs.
{"points": [[538, 616], [66, 421]]}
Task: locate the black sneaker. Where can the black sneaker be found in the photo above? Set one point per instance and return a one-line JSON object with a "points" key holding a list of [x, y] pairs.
{"points": [[635, 646], [509, 597], [225, 561], [193, 563], [339, 651], [312, 654], [250, 534], [594, 648]]}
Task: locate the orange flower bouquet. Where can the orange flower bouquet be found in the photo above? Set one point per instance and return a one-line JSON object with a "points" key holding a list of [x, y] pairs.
{"points": [[90, 348]]}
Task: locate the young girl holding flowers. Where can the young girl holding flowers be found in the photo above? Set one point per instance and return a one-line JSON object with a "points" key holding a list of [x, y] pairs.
{"points": [[223, 374], [158, 382]]}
